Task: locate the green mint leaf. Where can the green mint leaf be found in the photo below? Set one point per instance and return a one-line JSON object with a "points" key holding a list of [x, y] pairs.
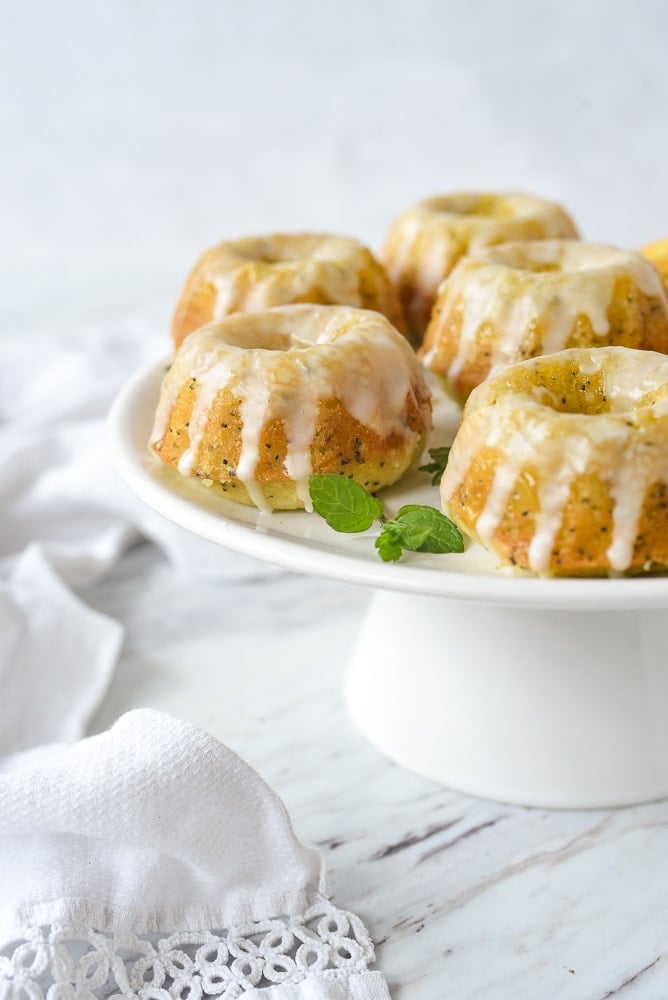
{"points": [[343, 503], [413, 537], [347, 506], [425, 529], [436, 467], [389, 547]]}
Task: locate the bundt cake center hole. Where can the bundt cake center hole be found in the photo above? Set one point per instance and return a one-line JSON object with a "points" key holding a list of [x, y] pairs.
{"points": [[582, 402], [265, 340], [266, 259], [482, 206], [273, 258], [572, 391], [591, 392], [540, 267], [270, 253], [528, 259]]}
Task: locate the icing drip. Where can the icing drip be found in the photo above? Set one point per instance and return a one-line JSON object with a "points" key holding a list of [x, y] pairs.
{"points": [[625, 447], [292, 395], [514, 288], [505, 477], [262, 272], [206, 386], [281, 365], [628, 490], [427, 239], [255, 393], [408, 228], [200, 368], [554, 489], [375, 391], [300, 426]]}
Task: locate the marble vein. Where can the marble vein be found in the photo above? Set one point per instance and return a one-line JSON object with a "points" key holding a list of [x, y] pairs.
{"points": [[467, 900]]}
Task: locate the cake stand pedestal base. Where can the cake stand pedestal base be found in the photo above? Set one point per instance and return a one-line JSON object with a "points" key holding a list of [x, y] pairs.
{"points": [[553, 708]]}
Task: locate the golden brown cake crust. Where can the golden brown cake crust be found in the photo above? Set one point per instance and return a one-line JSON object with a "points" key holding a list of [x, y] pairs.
{"points": [[560, 464], [255, 404], [255, 273], [425, 242], [522, 300]]}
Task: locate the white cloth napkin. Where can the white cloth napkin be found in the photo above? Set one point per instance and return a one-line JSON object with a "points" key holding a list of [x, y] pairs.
{"points": [[147, 862], [150, 861], [150, 826], [56, 657], [66, 520], [57, 486]]}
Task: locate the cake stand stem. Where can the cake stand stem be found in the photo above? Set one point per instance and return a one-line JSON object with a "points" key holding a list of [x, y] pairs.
{"points": [[565, 709]]}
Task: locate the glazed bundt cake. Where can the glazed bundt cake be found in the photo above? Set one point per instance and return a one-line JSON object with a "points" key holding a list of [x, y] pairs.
{"points": [[425, 242], [523, 299], [259, 272], [560, 464], [255, 404]]}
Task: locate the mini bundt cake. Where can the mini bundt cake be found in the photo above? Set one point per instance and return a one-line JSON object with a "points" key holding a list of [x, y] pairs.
{"points": [[523, 299], [255, 404], [560, 463], [259, 272], [426, 241]]}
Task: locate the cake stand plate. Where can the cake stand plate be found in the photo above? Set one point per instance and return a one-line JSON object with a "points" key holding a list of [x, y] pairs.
{"points": [[547, 692]]}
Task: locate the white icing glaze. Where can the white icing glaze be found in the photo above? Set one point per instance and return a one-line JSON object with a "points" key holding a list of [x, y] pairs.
{"points": [[431, 236], [260, 272], [255, 393], [505, 477], [554, 488], [504, 288], [628, 488], [526, 431], [280, 364], [408, 229], [206, 389]]}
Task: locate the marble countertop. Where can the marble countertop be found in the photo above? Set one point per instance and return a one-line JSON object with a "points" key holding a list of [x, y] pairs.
{"points": [[465, 898]]}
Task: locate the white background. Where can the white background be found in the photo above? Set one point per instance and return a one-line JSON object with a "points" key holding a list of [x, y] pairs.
{"points": [[135, 134]]}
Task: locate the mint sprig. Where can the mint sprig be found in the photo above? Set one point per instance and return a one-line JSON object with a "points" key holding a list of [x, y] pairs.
{"points": [[436, 467], [343, 503], [389, 544], [346, 506], [419, 529]]}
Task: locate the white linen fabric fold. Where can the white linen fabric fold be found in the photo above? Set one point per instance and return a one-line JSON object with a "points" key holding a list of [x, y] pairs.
{"points": [[56, 658], [149, 861], [57, 486], [65, 521], [150, 826]]}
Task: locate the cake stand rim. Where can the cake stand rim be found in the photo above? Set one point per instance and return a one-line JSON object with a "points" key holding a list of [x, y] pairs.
{"points": [[349, 559]]}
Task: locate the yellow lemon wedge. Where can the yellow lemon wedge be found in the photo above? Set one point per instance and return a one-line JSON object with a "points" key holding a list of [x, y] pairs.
{"points": [[658, 254]]}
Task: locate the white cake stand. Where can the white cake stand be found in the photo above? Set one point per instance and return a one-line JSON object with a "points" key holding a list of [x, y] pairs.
{"points": [[532, 691]]}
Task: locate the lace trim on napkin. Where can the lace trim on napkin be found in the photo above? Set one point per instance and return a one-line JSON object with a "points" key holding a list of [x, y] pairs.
{"points": [[61, 962]]}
